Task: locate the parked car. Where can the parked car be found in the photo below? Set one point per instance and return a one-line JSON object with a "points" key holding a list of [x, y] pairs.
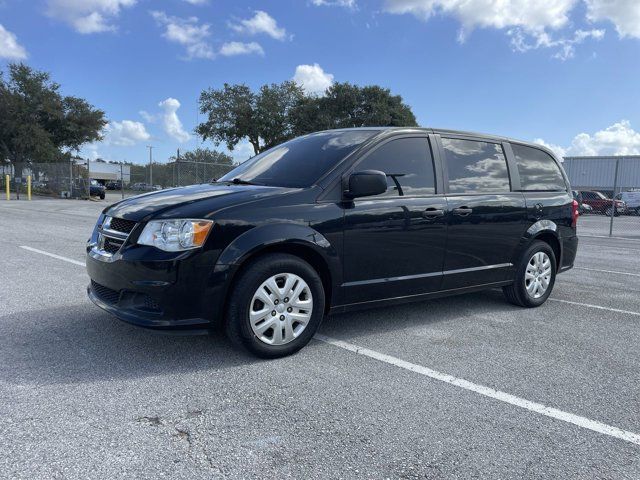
{"points": [[583, 208], [631, 200], [96, 189], [601, 203], [157, 187], [114, 185], [336, 221], [144, 187]]}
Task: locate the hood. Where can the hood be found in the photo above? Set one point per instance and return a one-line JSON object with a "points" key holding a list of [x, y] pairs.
{"points": [[196, 201]]}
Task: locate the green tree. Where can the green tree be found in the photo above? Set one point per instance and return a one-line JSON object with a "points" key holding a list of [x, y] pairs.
{"points": [[345, 105], [235, 113], [204, 155], [279, 112], [38, 123]]}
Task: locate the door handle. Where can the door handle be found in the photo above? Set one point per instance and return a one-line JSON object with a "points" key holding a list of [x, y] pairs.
{"points": [[462, 211], [432, 213]]}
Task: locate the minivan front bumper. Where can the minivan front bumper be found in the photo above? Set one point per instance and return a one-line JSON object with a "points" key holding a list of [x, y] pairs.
{"points": [[149, 288]]}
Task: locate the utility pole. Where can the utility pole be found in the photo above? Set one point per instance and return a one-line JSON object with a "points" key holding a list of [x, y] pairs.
{"points": [[150, 147], [178, 167]]}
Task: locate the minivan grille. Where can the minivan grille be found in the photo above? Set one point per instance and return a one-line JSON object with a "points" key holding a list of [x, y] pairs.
{"points": [[106, 294], [122, 225], [112, 245]]}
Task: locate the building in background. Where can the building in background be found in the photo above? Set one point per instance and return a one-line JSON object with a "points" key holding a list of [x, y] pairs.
{"points": [[105, 172], [605, 174]]}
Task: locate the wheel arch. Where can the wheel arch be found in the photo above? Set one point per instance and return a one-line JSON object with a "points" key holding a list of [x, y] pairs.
{"points": [[293, 239], [545, 231], [552, 240]]}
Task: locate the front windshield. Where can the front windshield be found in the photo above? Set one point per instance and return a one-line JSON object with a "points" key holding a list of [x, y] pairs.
{"points": [[299, 162]]}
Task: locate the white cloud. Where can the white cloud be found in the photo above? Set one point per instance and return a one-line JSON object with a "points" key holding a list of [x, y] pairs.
{"points": [[187, 32], [565, 46], [90, 151], [230, 49], [532, 15], [624, 14], [557, 149], [88, 16], [125, 133], [171, 122], [148, 117], [617, 139], [312, 78], [9, 46], [261, 22], [242, 151], [197, 2], [528, 23], [334, 3]]}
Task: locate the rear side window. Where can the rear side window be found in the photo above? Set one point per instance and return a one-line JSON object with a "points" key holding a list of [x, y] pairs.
{"points": [[537, 169], [475, 167], [408, 164]]}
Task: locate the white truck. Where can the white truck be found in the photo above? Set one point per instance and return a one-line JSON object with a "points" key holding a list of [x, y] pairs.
{"points": [[632, 199]]}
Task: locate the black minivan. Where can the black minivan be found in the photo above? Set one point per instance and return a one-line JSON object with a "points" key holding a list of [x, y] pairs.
{"points": [[334, 221]]}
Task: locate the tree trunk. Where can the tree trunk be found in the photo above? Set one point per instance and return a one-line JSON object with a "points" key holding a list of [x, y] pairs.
{"points": [[255, 143]]}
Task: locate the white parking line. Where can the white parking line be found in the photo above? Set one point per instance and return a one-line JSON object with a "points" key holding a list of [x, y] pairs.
{"points": [[53, 255], [608, 271], [599, 307], [551, 412]]}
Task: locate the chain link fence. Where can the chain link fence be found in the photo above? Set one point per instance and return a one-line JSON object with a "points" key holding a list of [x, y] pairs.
{"points": [[608, 191], [55, 179], [82, 179]]}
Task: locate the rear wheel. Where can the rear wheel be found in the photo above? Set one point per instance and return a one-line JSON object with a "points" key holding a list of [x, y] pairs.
{"points": [[535, 276], [276, 306]]}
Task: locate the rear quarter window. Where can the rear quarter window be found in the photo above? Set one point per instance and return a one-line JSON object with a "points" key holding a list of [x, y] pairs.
{"points": [[538, 170]]}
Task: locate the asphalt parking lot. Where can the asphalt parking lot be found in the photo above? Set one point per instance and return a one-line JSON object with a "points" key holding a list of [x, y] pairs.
{"points": [[453, 388]]}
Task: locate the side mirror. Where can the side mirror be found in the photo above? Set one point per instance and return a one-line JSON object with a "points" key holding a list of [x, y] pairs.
{"points": [[366, 183]]}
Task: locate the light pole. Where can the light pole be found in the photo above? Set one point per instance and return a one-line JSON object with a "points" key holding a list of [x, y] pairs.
{"points": [[150, 147]]}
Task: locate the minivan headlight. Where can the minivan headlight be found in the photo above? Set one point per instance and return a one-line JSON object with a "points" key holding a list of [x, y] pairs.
{"points": [[175, 235]]}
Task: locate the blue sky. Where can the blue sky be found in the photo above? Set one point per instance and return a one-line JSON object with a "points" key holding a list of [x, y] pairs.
{"points": [[566, 72]]}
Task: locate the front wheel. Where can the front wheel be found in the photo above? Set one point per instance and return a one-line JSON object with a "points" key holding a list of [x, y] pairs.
{"points": [[276, 306], [535, 276], [609, 211]]}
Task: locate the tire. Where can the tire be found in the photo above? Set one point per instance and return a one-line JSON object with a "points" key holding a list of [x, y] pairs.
{"points": [[297, 318], [518, 293], [102, 196]]}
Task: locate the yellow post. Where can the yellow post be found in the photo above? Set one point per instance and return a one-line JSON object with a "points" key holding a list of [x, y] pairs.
{"points": [[28, 187], [6, 177]]}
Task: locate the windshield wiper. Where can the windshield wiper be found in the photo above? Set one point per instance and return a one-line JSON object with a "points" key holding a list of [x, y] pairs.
{"points": [[239, 181]]}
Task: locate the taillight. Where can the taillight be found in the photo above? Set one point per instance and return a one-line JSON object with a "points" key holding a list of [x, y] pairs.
{"points": [[574, 213]]}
